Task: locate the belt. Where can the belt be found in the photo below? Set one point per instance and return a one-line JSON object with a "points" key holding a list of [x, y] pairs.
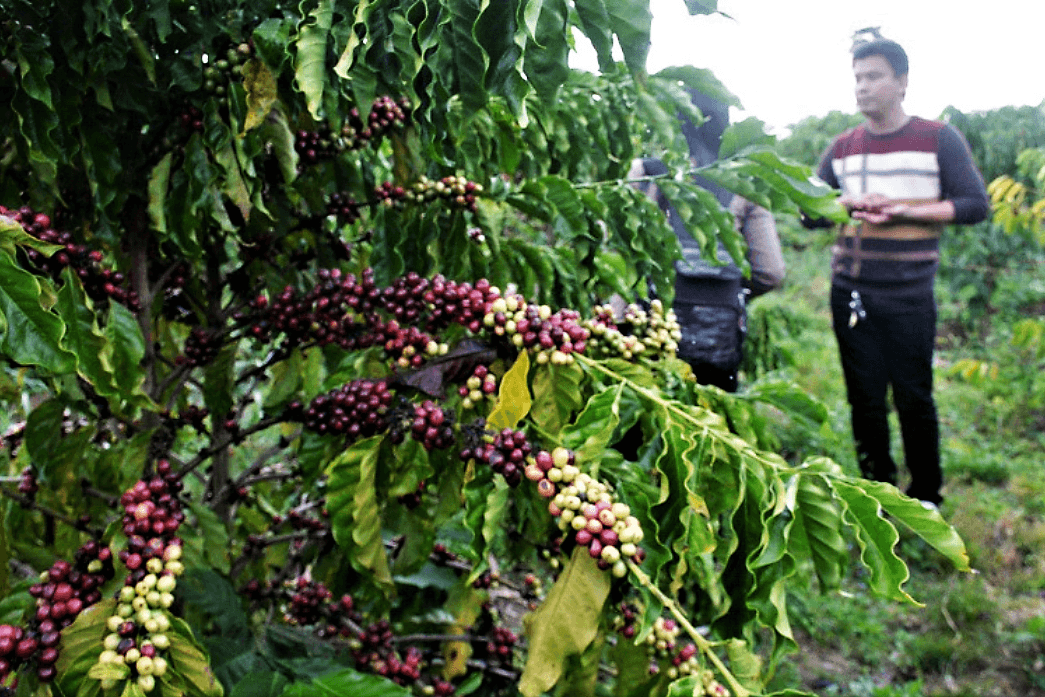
{"points": [[850, 237], [898, 231]]}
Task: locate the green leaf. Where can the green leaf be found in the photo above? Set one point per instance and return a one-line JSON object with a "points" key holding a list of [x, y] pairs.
{"points": [[565, 624], [561, 193], [702, 7], [31, 334], [819, 522], [82, 641], [310, 65], [347, 682], [595, 23], [276, 131], [469, 60], [267, 684], [747, 133], [159, 180], [632, 22], [211, 535], [212, 593], [35, 64], [877, 539], [83, 336], [701, 80], [12, 235], [189, 662], [547, 66], [126, 350], [927, 524], [556, 396], [494, 513], [590, 434], [355, 513], [112, 671], [141, 49]]}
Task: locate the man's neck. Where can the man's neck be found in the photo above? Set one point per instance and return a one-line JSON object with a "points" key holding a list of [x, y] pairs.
{"points": [[888, 123]]}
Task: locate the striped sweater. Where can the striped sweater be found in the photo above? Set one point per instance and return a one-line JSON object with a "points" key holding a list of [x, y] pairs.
{"points": [[921, 162]]}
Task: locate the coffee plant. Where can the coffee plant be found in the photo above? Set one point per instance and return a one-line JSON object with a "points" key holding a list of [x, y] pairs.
{"points": [[312, 381]]}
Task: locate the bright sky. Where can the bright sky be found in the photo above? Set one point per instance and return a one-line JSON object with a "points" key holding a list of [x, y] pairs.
{"points": [[789, 59]]}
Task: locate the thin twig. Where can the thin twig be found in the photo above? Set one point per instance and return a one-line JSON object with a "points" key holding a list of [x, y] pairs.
{"points": [[31, 504]]}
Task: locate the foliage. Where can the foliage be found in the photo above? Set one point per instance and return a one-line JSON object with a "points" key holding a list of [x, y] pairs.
{"points": [[260, 263], [1009, 377], [997, 136], [808, 139]]}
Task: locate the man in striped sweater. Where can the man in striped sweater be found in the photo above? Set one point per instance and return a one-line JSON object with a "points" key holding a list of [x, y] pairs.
{"points": [[902, 179]]}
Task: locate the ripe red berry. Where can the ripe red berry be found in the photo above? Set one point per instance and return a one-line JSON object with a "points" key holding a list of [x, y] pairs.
{"points": [[26, 648]]}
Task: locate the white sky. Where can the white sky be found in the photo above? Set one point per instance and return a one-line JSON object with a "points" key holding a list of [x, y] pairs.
{"points": [[789, 59]]}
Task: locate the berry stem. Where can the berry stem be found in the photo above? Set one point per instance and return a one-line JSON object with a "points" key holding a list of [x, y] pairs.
{"points": [[709, 428], [705, 646]]}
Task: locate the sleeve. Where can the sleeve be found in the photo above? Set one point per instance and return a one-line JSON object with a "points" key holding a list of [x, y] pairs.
{"points": [[960, 182], [758, 227], [825, 171]]}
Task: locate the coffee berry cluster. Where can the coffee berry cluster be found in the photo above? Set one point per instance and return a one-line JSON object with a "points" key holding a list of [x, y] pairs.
{"points": [[223, 69], [315, 146], [27, 484], [137, 631], [343, 206], [432, 426], [201, 347], [324, 314], [654, 333], [456, 192], [374, 651], [586, 507], [62, 593], [99, 282], [664, 649], [355, 410], [386, 114], [505, 452], [312, 604], [480, 386], [354, 313]]}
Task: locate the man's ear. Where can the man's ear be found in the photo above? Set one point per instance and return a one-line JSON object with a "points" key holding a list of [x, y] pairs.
{"points": [[903, 86]]}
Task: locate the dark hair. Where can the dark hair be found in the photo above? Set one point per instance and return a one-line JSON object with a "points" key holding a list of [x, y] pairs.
{"points": [[889, 50], [704, 140]]}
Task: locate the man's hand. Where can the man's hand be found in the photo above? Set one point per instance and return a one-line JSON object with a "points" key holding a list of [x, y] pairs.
{"points": [[880, 210]]}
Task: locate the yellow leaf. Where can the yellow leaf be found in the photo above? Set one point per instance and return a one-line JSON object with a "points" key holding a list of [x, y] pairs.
{"points": [[260, 86], [565, 624], [513, 399]]}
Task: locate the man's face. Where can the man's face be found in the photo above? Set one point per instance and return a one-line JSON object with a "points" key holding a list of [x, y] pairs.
{"points": [[878, 89]]}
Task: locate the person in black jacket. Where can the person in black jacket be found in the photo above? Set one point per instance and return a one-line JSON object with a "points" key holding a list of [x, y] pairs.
{"points": [[710, 298]]}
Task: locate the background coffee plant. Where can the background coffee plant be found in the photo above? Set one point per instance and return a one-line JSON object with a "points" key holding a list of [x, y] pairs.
{"points": [[308, 382]]}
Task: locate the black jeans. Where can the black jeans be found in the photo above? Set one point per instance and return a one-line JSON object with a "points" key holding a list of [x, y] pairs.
{"points": [[891, 346]]}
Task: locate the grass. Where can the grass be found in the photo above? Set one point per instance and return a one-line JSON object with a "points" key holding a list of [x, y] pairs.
{"points": [[977, 635]]}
